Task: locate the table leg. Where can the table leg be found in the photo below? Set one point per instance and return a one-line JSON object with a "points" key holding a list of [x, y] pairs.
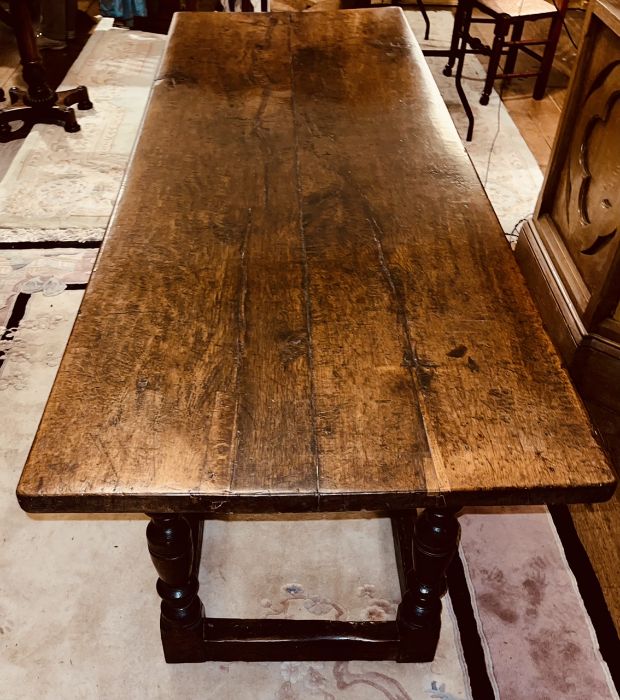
{"points": [[425, 550], [403, 523], [174, 545], [435, 541]]}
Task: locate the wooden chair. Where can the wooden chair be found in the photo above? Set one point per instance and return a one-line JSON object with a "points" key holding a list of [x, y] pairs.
{"points": [[509, 17]]}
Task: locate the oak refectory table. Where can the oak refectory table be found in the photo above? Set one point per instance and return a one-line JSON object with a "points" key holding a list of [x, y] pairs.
{"points": [[305, 303]]}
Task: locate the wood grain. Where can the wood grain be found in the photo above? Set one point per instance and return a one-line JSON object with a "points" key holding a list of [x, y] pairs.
{"points": [[598, 524], [304, 300], [598, 527]]}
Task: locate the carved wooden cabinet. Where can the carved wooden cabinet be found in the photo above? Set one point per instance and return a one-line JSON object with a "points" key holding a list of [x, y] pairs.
{"points": [[570, 250]]}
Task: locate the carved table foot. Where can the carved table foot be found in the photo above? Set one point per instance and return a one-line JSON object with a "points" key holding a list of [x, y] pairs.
{"points": [[174, 545], [17, 120], [435, 541]]}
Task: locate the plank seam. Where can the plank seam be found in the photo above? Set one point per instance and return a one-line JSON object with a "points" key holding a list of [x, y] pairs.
{"points": [[240, 349], [306, 276]]}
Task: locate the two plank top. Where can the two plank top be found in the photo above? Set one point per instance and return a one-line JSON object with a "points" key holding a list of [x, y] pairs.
{"points": [[304, 300]]}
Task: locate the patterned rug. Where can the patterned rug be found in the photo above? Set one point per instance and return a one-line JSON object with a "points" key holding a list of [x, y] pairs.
{"points": [[78, 608]]}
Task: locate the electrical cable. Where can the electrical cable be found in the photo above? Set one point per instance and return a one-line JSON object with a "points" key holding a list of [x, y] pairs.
{"points": [[499, 117], [513, 236]]}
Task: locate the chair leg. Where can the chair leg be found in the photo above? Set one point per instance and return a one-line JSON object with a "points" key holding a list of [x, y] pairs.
{"points": [[461, 52], [547, 58], [460, 27], [427, 22], [502, 27], [511, 57]]}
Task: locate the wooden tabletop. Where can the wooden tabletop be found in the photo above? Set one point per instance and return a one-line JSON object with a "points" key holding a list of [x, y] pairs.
{"points": [[304, 300]]}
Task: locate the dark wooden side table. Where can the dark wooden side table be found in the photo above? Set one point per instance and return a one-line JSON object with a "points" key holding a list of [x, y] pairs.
{"points": [[311, 307], [39, 104]]}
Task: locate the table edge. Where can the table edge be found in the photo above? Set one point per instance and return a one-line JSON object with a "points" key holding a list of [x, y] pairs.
{"points": [[266, 503]]}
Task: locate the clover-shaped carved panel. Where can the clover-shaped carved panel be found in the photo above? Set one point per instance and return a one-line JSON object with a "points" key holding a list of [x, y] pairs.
{"points": [[593, 184]]}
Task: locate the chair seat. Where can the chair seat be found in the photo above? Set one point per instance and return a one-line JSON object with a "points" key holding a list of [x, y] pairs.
{"points": [[519, 8], [509, 18]]}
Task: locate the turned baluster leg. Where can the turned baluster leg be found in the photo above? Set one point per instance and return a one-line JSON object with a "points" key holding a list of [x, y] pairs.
{"points": [[173, 545], [435, 541]]}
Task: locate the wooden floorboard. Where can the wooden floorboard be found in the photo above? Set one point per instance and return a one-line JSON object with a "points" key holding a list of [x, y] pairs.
{"points": [[598, 525]]}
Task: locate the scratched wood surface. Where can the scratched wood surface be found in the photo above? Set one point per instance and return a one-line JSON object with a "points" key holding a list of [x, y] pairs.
{"points": [[304, 300]]}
